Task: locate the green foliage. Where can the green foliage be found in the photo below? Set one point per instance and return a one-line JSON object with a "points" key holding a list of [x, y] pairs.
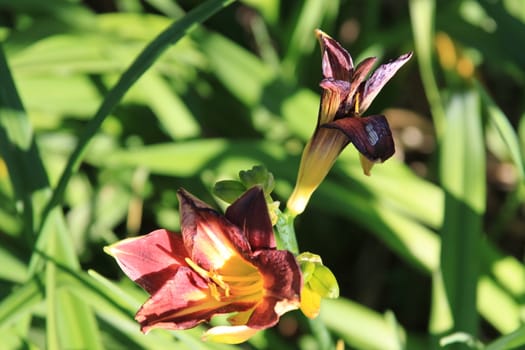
{"points": [[106, 111]]}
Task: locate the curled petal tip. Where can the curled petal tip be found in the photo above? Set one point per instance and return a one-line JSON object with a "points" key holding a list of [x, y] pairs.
{"points": [[319, 34]]}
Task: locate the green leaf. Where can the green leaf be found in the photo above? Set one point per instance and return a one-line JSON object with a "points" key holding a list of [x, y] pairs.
{"points": [[505, 130], [302, 40], [21, 301], [13, 269], [19, 151], [512, 340], [143, 61], [359, 326], [70, 322], [422, 14], [175, 118], [228, 190], [237, 69], [462, 174]]}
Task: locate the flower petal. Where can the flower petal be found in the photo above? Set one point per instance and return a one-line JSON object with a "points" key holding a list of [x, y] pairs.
{"points": [[337, 62], [379, 78], [229, 334], [282, 287], [360, 74], [335, 92], [250, 213], [210, 239], [370, 135], [182, 303], [150, 260], [310, 303], [318, 157]]}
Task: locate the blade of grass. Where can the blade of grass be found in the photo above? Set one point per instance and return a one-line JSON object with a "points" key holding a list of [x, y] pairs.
{"points": [[166, 104], [302, 39], [359, 326], [19, 151], [143, 61], [31, 185], [70, 322], [505, 129], [422, 14], [497, 307], [513, 340], [21, 301], [13, 269], [241, 72], [462, 174]]}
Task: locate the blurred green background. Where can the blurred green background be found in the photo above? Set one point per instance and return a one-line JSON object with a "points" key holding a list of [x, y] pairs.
{"points": [[95, 139]]}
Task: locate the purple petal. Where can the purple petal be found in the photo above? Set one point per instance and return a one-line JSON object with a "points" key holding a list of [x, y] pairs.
{"points": [[282, 284], [250, 214], [370, 135], [379, 78], [337, 62], [360, 74]]}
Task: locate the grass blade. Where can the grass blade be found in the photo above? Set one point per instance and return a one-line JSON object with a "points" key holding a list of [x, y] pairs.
{"points": [[513, 340], [462, 173], [143, 61], [422, 14], [19, 151]]}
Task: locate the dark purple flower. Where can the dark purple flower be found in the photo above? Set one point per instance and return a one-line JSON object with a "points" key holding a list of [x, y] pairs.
{"points": [[346, 96]]}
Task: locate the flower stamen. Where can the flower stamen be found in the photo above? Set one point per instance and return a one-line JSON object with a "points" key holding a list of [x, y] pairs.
{"points": [[356, 104], [213, 278]]}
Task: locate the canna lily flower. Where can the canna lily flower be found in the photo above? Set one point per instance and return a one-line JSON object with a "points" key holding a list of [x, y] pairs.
{"points": [[218, 265], [347, 94]]}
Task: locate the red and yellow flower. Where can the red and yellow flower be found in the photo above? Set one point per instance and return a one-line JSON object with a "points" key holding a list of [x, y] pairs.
{"points": [[220, 264]]}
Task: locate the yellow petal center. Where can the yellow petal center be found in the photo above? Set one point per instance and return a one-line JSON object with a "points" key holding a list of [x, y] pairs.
{"points": [[237, 280]]}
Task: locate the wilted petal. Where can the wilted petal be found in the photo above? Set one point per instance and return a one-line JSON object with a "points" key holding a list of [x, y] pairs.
{"points": [[250, 213], [150, 260], [379, 78], [229, 334], [336, 61], [370, 135]]}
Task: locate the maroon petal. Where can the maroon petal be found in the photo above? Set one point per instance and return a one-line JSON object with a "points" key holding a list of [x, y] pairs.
{"points": [[360, 74], [209, 238], [370, 135], [182, 303], [379, 78], [150, 260], [250, 213], [336, 61], [282, 284], [332, 106], [340, 86]]}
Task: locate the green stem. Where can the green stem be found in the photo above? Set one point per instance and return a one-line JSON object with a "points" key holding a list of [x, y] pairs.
{"points": [[286, 232]]}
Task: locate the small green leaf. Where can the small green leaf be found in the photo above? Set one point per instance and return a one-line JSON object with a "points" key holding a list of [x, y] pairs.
{"points": [[228, 190]]}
